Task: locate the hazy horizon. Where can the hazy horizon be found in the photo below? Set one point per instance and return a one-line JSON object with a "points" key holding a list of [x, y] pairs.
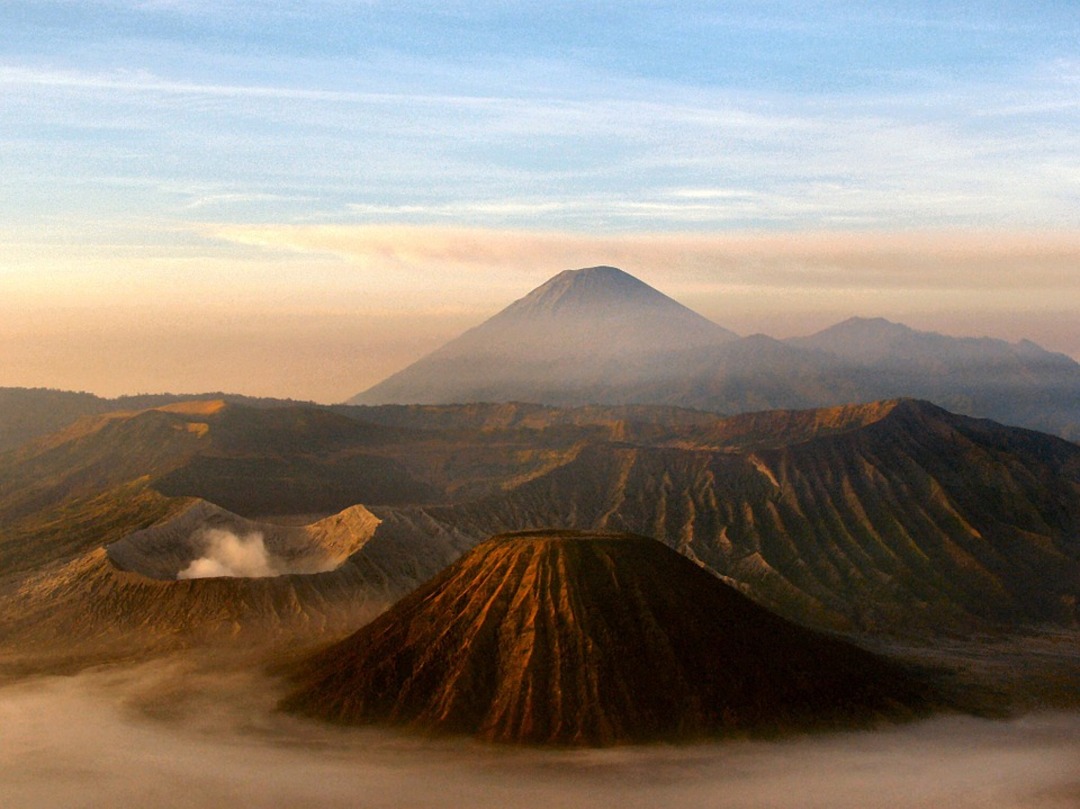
{"points": [[331, 354], [302, 201]]}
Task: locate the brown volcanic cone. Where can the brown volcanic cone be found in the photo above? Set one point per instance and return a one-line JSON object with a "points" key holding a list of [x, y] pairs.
{"points": [[573, 638]]}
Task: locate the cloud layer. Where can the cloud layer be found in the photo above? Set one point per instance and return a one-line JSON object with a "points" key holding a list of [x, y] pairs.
{"points": [[172, 737]]}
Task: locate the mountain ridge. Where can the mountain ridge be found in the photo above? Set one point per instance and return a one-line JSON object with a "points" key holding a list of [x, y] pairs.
{"points": [[877, 338], [599, 336], [895, 518]]}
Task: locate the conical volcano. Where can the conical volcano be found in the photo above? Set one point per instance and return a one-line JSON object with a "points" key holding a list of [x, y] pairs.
{"points": [[604, 292], [592, 639], [582, 336]]}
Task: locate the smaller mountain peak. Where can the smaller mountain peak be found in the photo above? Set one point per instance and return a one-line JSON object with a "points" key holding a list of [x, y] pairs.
{"points": [[869, 325]]}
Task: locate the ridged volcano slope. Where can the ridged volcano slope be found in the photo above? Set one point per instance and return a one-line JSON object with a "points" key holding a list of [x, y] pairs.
{"points": [[896, 517], [591, 639]]}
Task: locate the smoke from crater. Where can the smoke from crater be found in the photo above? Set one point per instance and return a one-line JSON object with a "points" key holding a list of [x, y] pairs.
{"points": [[229, 554]]}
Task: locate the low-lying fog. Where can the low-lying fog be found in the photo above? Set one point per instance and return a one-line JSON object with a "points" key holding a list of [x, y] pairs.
{"points": [[172, 735]]}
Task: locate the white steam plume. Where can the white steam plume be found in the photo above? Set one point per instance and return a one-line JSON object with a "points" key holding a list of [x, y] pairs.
{"points": [[229, 554]]}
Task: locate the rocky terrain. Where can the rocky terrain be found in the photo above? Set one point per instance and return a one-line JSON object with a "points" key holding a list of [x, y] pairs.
{"points": [[891, 519]]}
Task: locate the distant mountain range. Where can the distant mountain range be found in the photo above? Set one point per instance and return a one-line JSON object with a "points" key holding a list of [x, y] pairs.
{"points": [[601, 336]]}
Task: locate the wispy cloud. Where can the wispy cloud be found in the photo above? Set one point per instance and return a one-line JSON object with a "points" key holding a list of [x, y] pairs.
{"points": [[147, 82], [830, 260], [601, 154], [210, 200]]}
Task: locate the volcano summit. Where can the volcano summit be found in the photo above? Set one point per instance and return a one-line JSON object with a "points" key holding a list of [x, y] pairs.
{"points": [[582, 336]]}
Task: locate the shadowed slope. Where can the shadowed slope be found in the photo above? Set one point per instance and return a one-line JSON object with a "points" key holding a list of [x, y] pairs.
{"points": [[568, 638], [284, 460]]}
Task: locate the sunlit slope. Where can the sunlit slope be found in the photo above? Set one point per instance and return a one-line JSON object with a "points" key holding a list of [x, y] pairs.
{"points": [[894, 516], [592, 639], [897, 516]]}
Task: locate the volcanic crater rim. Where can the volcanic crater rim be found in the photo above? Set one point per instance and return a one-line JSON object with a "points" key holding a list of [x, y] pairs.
{"points": [[206, 541]]}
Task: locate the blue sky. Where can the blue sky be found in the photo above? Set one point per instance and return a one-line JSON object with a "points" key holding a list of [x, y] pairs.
{"points": [[616, 116], [312, 159]]}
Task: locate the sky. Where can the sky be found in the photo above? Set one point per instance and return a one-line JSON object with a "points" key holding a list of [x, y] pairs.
{"points": [[299, 198]]}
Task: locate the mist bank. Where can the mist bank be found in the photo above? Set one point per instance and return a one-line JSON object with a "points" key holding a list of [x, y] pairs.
{"points": [[175, 734]]}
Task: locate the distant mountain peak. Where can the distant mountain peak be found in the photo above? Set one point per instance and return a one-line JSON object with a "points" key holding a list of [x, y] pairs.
{"points": [[603, 272], [880, 322], [595, 277], [568, 340], [596, 291], [877, 339]]}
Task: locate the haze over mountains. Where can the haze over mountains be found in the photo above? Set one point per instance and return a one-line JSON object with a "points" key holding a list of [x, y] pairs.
{"points": [[584, 336], [598, 335], [271, 528], [601, 336]]}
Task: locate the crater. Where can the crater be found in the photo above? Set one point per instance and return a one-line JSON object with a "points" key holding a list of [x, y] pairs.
{"points": [[207, 541]]}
